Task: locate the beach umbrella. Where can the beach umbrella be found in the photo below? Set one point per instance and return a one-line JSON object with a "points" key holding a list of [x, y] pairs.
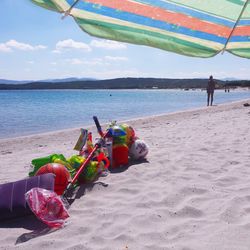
{"points": [[195, 28]]}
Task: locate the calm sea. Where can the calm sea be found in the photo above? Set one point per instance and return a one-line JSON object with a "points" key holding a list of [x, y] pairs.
{"points": [[30, 112]]}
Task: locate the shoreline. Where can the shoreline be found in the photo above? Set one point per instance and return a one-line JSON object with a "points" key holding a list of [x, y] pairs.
{"points": [[91, 126], [191, 193], [33, 146]]}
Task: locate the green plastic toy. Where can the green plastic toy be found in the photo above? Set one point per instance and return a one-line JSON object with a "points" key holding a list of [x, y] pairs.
{"points": [[39, 162]]}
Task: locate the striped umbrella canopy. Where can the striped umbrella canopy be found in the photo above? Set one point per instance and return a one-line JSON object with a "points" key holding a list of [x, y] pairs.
{"points": [[195, 28]]}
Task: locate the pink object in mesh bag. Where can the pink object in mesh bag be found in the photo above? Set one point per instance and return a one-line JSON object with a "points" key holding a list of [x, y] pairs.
{"points": [[47, 206]]}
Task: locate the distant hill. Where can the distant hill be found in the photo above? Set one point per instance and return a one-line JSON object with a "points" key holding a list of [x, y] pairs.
{"points": [[121, 83], [70, 79], [230, 79], [4, 81]]}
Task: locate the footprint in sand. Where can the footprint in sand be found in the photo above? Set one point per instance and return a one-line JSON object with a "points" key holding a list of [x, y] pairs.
{"points": [[189, 212], [227, 181], [6, 152]]}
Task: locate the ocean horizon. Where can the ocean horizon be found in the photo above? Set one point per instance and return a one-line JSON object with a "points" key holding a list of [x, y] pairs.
{"points": [[27, 112]]}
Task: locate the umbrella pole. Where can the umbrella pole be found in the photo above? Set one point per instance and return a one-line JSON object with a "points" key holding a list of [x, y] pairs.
{"points": [[235, 25]]}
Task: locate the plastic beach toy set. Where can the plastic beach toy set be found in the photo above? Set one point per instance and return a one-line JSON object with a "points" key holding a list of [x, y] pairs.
{"points": [[53, 178]]}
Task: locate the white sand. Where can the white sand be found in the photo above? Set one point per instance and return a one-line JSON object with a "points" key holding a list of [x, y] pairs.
{"points": [[193, 193]]}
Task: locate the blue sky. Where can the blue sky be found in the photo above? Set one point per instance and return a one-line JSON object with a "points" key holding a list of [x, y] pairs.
{"points": [[37, 44]]}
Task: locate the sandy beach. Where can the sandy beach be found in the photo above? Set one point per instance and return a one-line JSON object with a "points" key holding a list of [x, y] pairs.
{"points": [[193, 192]]}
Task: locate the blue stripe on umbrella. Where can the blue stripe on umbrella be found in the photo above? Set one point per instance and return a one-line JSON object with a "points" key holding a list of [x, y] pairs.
{"points": [[137, 19]]}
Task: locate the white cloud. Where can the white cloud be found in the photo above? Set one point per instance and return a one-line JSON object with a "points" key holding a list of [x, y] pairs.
{"points": [[107, 44], [40, 47], [76, 61], [244, 69], [89, 62], [56, 51], [108, 74], [116, 58], [4, 48], [30, 62], [95, 62], [71, 44], [13, 44]]}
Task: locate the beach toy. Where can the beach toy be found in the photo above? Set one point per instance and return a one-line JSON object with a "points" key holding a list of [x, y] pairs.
{"points": [[138, 150], [118, 134], [97, 146], [81, 140], [47, 206], [103, 161], [89, 173], [59, 158], [12, 201], [94, 168], [130, 134], [39, 162], [62, 175], [119, 140], [64, 163], [86, 150], [76, 161], [55, 157], [119, 155], [109, 148], [117, 131]]}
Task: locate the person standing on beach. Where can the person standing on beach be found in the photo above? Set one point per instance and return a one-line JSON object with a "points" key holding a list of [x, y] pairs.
{"points": [[210, 90]]}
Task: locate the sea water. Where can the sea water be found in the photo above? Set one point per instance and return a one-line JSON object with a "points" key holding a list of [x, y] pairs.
{"points": [[28, 112]]}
